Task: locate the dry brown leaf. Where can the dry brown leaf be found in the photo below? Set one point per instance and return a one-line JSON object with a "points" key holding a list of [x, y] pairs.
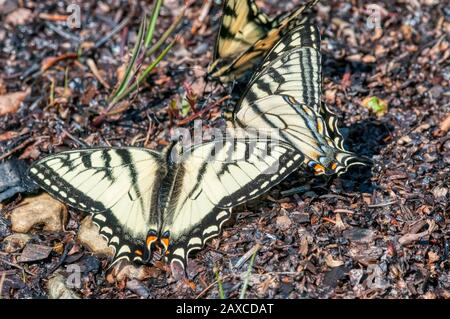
{"points": [[128, 271], [15, 242], [360, 235], [433, 257], [120, 73], [9, 103], [303, 250], [91, 64], [412, 237], [31, 151], [34, 252]]}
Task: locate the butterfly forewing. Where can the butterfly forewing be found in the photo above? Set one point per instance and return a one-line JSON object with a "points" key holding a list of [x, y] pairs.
{"points": [[119, 186]]}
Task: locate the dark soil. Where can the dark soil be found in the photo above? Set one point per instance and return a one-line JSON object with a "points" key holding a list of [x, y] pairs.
{"points": [[346, 237]]}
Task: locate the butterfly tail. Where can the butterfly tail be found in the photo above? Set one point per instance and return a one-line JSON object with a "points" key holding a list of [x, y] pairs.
{"points": [[345, 160]]}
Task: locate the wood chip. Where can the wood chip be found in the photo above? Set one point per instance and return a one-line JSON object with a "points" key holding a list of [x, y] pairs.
{"points": [[247, 256], [359, 235], [33, 252]]}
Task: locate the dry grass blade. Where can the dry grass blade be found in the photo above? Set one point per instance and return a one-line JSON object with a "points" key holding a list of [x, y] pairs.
{"points": [[247, 275]]}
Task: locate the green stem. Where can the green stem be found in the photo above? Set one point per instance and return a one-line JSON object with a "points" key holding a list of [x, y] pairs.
{"points": [[219, 284], [145, 73], [128, 74], [166, 34], [152, 23]]}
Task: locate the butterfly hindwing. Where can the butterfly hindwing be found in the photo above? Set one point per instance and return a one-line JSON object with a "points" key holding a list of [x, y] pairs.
{"points": [[243, 55], [284, 97], [242, 24], [292, 67]]}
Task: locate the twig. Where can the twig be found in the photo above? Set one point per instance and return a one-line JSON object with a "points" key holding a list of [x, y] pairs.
{"points": [[285, 273], [334, 196], [50, 62], [91, 64], [53, 17], [149, 131], [20, 146], [210, 286], [16, 266], [247, 256], [202, 17], [328, 220], [198, 114], [2, 280], [73, 138], [61, 260], [62, 33], [382, 204], [343, 210], [114, 31]]}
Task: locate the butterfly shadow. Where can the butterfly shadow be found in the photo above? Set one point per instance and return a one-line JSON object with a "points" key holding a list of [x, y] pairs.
{"points": [[366, 139]]}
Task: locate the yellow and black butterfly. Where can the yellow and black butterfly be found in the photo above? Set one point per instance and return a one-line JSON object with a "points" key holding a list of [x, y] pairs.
{"points": [[284, 98], [143, 200], [246, 34]]}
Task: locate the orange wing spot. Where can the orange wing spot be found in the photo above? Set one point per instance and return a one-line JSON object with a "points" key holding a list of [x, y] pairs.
{"points": [[333, 166], [150, 240], [138, 252], [165, 242], [319, 169]]}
